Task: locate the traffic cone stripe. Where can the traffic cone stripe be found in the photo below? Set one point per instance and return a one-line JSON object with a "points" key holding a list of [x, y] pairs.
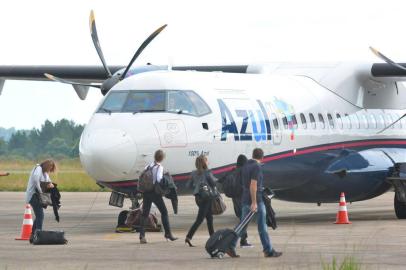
{"points": [[343, 208], [27, 222]]}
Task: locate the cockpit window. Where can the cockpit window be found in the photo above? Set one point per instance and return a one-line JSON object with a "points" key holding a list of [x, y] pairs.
{"points": [[138, 101], [148, 101], [199, 104], [179, 102], [114, 102]]}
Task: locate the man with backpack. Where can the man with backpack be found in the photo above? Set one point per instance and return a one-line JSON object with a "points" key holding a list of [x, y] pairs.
{"points": [[153, 175]]}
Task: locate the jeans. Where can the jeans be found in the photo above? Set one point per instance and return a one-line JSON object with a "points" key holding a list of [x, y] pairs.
{"points": [[238, 209], [262, 227], [149, 198], [204, 212], [38, 211]]}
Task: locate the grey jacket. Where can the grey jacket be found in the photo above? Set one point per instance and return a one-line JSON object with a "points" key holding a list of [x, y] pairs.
{"points": [[196, 179]]}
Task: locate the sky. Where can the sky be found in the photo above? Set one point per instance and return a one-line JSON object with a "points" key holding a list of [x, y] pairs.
{"points": [[45, 32]]}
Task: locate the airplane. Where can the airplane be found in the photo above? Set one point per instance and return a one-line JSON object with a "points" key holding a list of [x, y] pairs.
{"points": [[325, 128]]}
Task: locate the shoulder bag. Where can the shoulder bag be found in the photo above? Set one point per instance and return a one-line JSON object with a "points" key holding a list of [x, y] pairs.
{"points": [[218, 205]]}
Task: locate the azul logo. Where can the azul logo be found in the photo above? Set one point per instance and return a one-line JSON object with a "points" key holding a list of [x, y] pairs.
{"points": [[258, 120]]}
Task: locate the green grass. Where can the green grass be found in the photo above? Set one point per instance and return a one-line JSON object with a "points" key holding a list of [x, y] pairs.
{"points": [[69, 176], [349, 263]]}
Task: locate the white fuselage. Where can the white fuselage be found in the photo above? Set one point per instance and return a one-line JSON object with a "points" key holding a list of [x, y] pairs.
{"points": [[279, 113]]}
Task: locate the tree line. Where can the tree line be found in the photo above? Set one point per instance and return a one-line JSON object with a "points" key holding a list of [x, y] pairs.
{"points": [[59, 140]]}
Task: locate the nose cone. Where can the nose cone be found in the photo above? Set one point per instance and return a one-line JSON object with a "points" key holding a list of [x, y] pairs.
{"points": [[108, 154]]}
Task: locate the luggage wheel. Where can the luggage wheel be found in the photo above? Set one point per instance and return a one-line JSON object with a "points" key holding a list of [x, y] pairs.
{"points": [[220, 255]]}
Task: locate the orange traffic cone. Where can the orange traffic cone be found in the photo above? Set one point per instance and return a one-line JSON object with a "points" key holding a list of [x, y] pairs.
{"points": [[342, 215], [27, 224]]}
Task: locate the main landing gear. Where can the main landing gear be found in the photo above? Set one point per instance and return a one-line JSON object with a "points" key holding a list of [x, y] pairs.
{"points": [[398, 180]]}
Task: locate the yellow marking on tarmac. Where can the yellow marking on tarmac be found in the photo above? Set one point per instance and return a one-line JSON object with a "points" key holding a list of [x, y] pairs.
{"points": [[111, 236]]}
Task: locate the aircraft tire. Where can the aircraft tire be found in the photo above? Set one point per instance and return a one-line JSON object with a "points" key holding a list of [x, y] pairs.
{"points": [[400, 208]]}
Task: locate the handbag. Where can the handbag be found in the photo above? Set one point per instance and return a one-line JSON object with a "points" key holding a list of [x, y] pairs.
{"points": [[206, 192], [44, 196], [44, 199], [218, 205]]}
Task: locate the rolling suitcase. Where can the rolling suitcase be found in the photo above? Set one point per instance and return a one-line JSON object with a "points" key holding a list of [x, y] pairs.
{"points": [[221, 241]]}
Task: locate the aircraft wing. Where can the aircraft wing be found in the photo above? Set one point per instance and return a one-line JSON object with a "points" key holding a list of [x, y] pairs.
{"points": [[81, 77], [36, 73]]}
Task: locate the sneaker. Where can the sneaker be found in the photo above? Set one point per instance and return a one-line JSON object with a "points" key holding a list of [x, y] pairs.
{"points": [[246, 244], [232, 253], [143, 240], [271, 254]]}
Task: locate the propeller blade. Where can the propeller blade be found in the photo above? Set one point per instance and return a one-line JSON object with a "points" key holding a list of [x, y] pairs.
{"points": [[93, 33], [141, 48], [400, 118], [386, 59], [56, 79]]}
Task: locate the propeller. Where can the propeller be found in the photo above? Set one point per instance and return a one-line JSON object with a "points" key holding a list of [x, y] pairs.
{"points": [[56, 79], [392, 63], [112, 79], [386, 59], [141, 48]]}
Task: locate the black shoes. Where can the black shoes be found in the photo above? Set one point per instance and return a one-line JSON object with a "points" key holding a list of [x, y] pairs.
{"points": [[232, 254], [245, 244], [170, 237], [272, 254], [187, 241]]}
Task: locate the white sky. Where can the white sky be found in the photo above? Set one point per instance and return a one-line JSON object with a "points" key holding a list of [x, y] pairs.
{"points": [[45, 32]]}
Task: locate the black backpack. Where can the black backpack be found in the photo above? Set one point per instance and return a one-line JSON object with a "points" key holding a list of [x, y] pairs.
{"points": [[232, 184]]}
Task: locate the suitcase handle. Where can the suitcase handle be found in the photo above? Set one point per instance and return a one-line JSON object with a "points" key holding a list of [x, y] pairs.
{"points": [[244, 222]]}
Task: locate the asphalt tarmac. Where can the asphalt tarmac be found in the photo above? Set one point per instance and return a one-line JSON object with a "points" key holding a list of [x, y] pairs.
{"points": [[306, 235]]}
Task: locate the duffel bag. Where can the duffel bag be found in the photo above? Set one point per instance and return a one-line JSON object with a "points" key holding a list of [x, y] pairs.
{"points": [[49, 238]]}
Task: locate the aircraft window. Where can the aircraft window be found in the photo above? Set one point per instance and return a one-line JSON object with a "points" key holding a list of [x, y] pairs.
{"points": [[275, 121], [179, 102], [294, 121], [339, 120], [303, 119], [113, 102], [348, 120], [285, 122], [145, 101], [372, 121], [402, 122], [312, 120], [355, 120], [364, 121], [201, 107], [388, 120], [398, 123], [330, 121], [380, 121], [321, 119]]}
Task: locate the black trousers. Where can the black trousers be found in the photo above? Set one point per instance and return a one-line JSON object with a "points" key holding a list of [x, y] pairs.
{"points": [[204, 212], [149, 198], [39, 213]]}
